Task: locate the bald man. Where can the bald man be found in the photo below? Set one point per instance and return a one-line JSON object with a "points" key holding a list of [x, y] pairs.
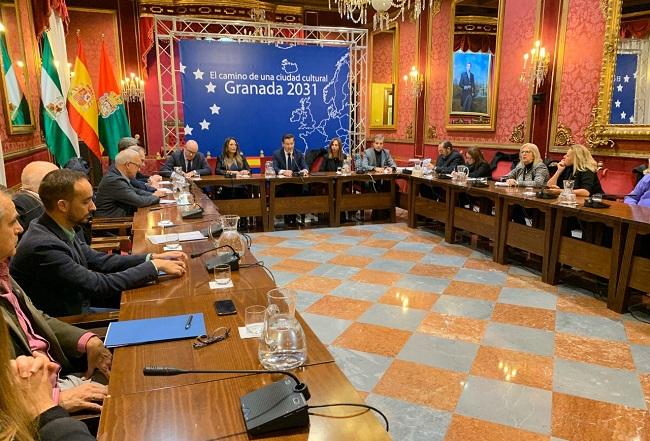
{"points": [[28, 203], [191, 161], [116, 196]]}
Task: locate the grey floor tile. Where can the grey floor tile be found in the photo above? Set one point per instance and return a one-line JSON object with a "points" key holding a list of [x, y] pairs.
{"points": [[590, 326], [519, 338], [345, 240], [422, 283], [288, 233], [269, 261], [523, 407], [522, 271], [598, 383], [314, 256], [283, 277], [362, 369], [360, 291], [305, 299], [366, 251], [391, 266], [414, 246], [393, 316], [326, 328], [411, 422], [641, 355], [443, 259], [335, 271], [298, 243], [528, 297], [479, 276], [453, 305], [388, 235], [568, 289], [453, 355]]}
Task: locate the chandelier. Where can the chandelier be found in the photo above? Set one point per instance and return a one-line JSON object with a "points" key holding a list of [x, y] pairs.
{"points": [[535, 66], [414, 81], [357, 10], [132, 88]]}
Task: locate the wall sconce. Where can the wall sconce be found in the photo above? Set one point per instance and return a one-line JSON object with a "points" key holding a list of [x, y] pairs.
{"points": [[414, 81], [535, 66], [132, 88]]}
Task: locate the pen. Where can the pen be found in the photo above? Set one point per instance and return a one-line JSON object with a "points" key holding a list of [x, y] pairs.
{"points": [[189, 322]]}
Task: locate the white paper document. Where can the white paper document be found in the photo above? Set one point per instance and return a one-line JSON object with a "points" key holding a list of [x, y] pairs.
{"points": [[167, 201], [158, 239]]}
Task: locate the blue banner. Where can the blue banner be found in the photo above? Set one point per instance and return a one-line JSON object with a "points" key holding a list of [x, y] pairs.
{"points": [[258, 92], [624, 92]]}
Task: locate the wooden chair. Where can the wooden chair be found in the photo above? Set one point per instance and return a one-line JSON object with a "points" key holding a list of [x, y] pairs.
{"points": [[121, 225]]}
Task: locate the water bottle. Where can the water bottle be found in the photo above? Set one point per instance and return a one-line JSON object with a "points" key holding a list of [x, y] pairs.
{"points": [[357, 162], [261, 153], [269, 172], [346, 171]]}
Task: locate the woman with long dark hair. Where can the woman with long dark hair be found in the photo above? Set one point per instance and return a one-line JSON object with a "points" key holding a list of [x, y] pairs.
{"points": [[334, 157], [232, 163]]}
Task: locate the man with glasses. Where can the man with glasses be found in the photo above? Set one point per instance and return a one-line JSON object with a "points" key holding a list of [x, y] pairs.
{"points": [[189, 159], [116, 196]]}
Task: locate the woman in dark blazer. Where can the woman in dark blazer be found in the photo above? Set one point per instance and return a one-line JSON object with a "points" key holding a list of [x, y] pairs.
{"points": [[232, 163], [478, 166], [334, 157]]}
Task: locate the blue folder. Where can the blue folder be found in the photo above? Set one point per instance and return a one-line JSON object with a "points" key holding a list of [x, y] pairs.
{"points": [[135, 332]]}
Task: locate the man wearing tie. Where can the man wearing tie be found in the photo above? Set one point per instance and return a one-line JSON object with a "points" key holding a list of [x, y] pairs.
{"points": [[467, 88], [286, 161], [189, 159]]}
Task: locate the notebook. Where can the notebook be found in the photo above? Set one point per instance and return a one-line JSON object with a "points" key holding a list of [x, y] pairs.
{"points": [[135, 332]]}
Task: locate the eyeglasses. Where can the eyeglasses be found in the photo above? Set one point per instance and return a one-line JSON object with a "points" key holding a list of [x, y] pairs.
{"points": [[217, 335], [523, 152], [138, 166]]}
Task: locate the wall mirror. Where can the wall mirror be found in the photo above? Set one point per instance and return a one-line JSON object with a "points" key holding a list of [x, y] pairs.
{"points": [[18, 114], [474, 64], [383, 79]]}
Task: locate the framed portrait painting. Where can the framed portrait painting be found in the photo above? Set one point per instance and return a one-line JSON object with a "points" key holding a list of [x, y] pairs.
{"points": [[471, 88]]}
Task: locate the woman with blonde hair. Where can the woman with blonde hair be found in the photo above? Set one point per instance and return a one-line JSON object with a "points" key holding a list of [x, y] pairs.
{"points": [[27, 411], [579, 166], [531, 170]]}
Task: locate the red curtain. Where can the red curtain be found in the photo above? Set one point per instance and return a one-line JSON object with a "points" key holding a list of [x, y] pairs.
{"points": [[42, 10], [635, 29], [475, 43], [146, 41]]}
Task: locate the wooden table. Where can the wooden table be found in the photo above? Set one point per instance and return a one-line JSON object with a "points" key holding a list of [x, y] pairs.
{"points": [[481, 222], [365, 200], [635, 271], [435, 209], [303, 204]]}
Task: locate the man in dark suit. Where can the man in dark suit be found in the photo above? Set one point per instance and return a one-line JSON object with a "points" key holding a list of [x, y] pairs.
{"points": [[191, 161], [286, 161], [467, 88], [141, 181], [61, 273], [28, 204], [448, 158], [116, 196]]}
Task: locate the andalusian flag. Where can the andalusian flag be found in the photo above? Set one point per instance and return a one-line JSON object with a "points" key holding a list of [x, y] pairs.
{"points": [[18, 108], [113, 124], [82, 104], [59, 135]]}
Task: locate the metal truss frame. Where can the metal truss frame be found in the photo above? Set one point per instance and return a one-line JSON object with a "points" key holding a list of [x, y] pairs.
{"points": [[168, 30]]}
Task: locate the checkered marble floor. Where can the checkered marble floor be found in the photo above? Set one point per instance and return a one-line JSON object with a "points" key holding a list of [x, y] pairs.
{"points": [[452, 346]]}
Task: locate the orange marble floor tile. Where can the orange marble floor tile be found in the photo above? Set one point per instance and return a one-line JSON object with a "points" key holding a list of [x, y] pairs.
{"points": [[313, 235], [464, 428], [421, 384], [445, 272], [372, 338], [340, 307], [530, 283], [450, 250], [524, 316], [485, 265], [377, 277], [607, 353], [453, 327], [350, 260], [363, 395], [584, 305], [331, 247], [514, 367], [269, 240], [411, 256], [645, 385], [296, 266], [356, 232], [379, 243], [279, 252], [424, 239], [581, 419], [409, 298], [398, 228], [473, 290], [637, 332], [322, 285]]}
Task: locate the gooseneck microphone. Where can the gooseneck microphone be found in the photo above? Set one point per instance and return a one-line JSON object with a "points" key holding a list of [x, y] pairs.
{"points": [[200, 253]]}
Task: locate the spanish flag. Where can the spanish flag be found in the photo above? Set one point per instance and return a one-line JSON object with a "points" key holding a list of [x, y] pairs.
{"points": [[82, 104]]}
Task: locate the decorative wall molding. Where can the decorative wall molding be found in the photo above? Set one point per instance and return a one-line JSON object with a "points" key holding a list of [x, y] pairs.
{"points": [[432, 133], [435, 8], [231, 9], [563, 135], [594, 133], [409, 131], [518, 135]]}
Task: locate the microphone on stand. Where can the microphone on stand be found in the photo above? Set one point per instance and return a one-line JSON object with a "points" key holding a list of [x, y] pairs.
{"points": [[278, 406]]}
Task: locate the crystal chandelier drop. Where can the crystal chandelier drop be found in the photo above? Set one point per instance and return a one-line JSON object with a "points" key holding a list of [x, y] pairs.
{"points": [[357, 10], [535, 66]]}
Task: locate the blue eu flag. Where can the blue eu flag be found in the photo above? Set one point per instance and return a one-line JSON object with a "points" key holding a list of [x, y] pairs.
{"points": [[624, 90]]}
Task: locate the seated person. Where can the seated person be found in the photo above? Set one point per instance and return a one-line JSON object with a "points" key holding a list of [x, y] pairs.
{"points": [[28, 204], [333, 160], [579, 166], [141, 181], [233, 163], [71, 275], [448, 159], [116, 197], [378, 158], [189, 159], [286, 161], [476, 163], [531, 170], [67, 347], [641, 193]]}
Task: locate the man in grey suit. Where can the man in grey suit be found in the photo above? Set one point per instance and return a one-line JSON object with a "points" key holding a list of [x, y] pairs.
{"points": [[189, 159], [116, 196], [378, 158]]}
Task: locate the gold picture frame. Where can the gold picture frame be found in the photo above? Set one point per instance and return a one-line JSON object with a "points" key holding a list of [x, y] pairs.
{"points": [[393, 29]]}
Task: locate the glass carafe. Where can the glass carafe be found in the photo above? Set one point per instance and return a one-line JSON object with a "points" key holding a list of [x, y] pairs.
{"points": [[346, 170], [184, 196], [568, 197], [230, 236], [282, 344], [269, 171], [462, 171]]}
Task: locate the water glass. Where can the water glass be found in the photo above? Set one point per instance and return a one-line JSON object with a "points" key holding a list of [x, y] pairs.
{"points": [[529, 191], [172, 242], [254, 319], [222, 274], [597, 198]]}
